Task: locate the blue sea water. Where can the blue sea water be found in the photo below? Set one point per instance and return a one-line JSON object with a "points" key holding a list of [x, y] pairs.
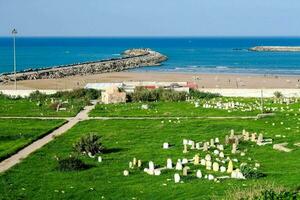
{"points": [[201, 55]]}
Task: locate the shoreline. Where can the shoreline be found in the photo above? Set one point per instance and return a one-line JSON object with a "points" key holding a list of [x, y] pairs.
{"points": [[204, 81]]}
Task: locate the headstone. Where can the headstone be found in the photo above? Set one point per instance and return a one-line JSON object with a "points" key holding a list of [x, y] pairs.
{"points": [[130, 165], [208, 165], [134, 162], [220, 147], [199, 173], [216, 166], [185, 171], [208, 157], [236, 141], [157, 172], [212, 142], [169, 163], [151, 166], [234, 148], [216, 152], [196, 159], [260, 139], [230, 167], [217, 140], [223, 169], [185, 148], [125, 172], [231, 133], [184, 161], [246, 136], [185, 142], [99, 159], [197, 145], [203, 162], [139, 163], [253, 137], [226, 139], [178, 165], [193, 145], [221, 154], [205, 146], [176, 178], [210, 177], [165, 145]]}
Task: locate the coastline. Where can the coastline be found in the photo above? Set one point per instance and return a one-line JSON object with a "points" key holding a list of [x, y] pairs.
{"points": [[204, 81]]}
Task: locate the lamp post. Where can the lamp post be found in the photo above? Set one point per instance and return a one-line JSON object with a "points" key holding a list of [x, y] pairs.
{"points": [[14, 33]]}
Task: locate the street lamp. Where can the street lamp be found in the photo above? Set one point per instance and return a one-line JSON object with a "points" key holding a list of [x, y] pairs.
{"points": [[14, 33]]}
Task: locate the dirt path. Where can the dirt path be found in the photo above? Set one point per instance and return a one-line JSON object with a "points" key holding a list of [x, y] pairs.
{"points": [[16, 158]]}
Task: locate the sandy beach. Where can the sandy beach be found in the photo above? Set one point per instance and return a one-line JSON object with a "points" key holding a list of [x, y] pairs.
{"points": [[217, 81]]}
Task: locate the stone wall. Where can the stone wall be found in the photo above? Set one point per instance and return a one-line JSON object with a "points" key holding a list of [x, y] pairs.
{"points": [[133, 58]]}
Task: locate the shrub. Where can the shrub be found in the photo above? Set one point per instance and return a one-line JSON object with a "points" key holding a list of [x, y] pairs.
{"points": [[78, 93], [273, 195], [37, 95], [249, 172], [142, 94], [262, 191], [71, 164], [278, 94], [89, 143], [196, 94]]}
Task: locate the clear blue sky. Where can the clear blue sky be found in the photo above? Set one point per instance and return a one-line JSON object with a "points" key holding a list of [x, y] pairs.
{"points": [[150, 17]]}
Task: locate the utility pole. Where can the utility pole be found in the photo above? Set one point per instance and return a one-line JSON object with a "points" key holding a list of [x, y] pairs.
{"points": [[262, 101], [14, 33]]}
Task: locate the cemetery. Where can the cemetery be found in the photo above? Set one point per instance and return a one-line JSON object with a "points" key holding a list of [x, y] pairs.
{"points": [[163, 152]]}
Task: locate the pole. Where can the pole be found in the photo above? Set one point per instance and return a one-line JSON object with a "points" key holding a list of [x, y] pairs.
{"points": [[262, 101], [14, 32]]}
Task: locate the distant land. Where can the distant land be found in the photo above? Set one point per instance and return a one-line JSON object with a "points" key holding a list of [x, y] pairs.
{"points": [[276, 48]]}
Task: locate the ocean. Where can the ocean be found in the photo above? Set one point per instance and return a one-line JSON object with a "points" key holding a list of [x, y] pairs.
{"points": [[190, 55]]}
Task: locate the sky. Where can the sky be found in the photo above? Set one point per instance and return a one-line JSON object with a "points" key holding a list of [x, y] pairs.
{"points": [[150, 18]]}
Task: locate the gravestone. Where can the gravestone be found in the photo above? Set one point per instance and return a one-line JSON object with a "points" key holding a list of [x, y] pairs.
{"points": [[178, 165], [169, 163], [199, 173], [125, 172], [234, 148], [185, 171], [215, 166], [176, 178], [230, 167]]}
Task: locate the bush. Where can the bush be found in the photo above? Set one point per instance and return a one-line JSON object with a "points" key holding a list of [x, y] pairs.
{"points": [[281, 195], [89, 144], [88, 94], [71, 164], [249, 172], [142, 94], [278, 94], [196, 94]]}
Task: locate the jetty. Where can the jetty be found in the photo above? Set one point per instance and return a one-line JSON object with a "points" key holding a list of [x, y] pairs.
{"points": [[276, 48], [130, 59]]}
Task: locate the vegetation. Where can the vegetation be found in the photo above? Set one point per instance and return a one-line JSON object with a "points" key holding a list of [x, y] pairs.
{"points": [[196, 94], [18, 133], [89, 144], [39, 104], [249, 172], [278, 94], [71, 164], [143, 139], [142, 94]]}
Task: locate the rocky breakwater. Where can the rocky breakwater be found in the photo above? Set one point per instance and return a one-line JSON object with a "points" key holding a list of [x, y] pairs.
{"points": [[130, 59], [276, 48]]}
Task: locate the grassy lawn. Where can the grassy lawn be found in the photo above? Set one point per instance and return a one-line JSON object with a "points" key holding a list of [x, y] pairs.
{"points": [[17, 133], [166, 109], [37, 178], [34, 108]]}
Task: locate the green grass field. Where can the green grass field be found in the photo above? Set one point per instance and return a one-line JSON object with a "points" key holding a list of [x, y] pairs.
{"points": [[17, 133], [163, 109], [37, 178], [27, 108]]}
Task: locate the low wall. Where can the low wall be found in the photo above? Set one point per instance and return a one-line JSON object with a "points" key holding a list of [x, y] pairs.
{"points": [[254, 92], [223, 92]]}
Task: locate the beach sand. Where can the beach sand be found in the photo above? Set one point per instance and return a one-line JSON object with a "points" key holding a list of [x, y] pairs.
{"points": [[203, 80]]}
